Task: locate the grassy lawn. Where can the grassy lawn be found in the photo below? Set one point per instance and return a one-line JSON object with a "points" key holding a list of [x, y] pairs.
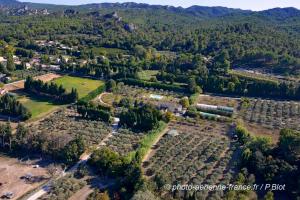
{"points": [[147, 74], [36, 106], [83, 85]]}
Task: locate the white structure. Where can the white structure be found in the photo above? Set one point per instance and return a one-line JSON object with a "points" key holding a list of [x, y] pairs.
{"points": [[155, 96]]}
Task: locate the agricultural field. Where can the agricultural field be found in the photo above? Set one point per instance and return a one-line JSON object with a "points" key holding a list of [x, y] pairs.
{"points": [[19, 85], [13, 171], [83, 85], [147, 74], [272, 114], [147, 95], [64, 188], [199, 153], [124, 141], [66, 123]]}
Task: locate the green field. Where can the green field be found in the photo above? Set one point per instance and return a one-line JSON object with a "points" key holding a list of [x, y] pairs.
{"points": [[83, 85], [147, 74], [37, 107]]}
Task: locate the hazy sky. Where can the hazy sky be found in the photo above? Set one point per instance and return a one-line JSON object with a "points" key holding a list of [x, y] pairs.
{"points": [[243, 4]]}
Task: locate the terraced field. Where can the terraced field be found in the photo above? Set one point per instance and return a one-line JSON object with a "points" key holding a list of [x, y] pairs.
{"points": [[201, 153]]}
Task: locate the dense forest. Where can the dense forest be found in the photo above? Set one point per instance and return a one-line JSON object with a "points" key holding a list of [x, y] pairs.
{"points": [[249, 37]]}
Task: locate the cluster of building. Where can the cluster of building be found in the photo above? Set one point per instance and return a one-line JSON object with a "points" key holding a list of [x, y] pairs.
{"points": [[56, 44]]}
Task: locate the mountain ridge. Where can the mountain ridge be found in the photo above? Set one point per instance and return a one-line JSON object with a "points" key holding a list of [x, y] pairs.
{"points": [[196, 10]]}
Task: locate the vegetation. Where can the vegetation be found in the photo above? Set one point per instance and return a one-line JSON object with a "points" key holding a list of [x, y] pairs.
{"points": [[64, 188], [276, 164], [204, 157], [158, 50], [84, 86], [58, 93], [140, 118], [110, 163], [93, 112], [37, 106], [11, 107], [125, 141], [68, 137], [271, 114]]}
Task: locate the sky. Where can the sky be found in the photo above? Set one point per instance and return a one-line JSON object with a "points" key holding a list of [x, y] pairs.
{"points": [[243, 4]]}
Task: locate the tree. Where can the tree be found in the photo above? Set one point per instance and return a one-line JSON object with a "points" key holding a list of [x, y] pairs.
{"points": [[73, 150], [221, 62], [231, 87], [10, 63], [111, 85], [193, 87], [107, 162], [269, 196], [289, 144], [2, 69], [97, 195], [144, 195], [21, 133], [52, 170], [140, 118], [185, 102], [8, 133], [2, 134]]}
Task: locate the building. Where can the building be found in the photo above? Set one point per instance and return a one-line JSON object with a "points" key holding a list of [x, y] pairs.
{"points": [[171, 107], [3, 91], [173, 132], [28, 66]]}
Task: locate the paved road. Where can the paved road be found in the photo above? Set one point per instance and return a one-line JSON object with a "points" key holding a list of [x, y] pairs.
{"points": [[83, 159]]}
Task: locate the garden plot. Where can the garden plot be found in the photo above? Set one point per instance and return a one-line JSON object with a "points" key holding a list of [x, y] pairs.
{"points": [[12, 173], [201, 153], [67, 123], [271, 114], [149, 95], [124, 141]]}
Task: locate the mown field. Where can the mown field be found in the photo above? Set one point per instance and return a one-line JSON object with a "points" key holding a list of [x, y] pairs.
{"points": [[83, 85], [37, 106]]}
